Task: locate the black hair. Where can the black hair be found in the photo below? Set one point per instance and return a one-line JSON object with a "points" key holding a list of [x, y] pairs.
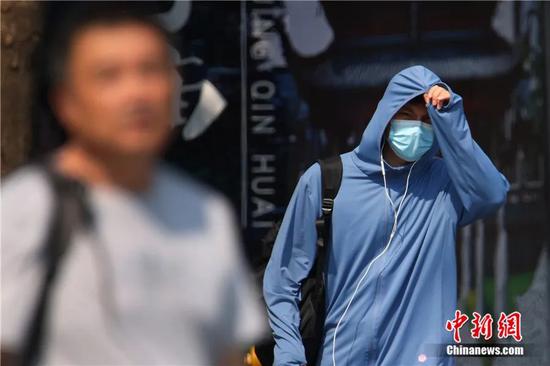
{"points": [[419, 99], [61, 24]]}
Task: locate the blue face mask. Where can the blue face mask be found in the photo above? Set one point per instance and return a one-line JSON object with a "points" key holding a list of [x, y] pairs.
{"points": [[410, 139]]}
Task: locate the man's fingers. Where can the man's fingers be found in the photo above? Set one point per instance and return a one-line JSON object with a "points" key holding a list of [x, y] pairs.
{"points": [[437, 97], [430, 93]]}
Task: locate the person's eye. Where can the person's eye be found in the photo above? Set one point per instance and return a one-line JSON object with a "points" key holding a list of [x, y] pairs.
{"points": [[407, 115], [153, 68]]}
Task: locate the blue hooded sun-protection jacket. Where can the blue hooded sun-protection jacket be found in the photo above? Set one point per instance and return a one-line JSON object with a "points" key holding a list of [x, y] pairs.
{"points": [[400, 309]]}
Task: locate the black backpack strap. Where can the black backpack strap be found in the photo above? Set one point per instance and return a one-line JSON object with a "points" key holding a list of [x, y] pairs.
{"points": [[70, 210], [331, 179], [331, 174]]}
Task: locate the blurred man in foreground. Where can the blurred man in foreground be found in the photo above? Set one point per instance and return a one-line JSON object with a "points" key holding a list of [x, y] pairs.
{"points": [[159, 278]]}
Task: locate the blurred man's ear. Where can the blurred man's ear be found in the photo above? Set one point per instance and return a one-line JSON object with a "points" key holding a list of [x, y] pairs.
{"points": [[62, 106]]}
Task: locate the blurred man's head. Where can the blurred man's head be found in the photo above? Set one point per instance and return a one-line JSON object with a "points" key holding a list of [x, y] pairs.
{"points": [[112, 84]]}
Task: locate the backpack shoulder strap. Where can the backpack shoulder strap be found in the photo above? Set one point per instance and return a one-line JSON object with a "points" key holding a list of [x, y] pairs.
{"points": [[331, 178], [69, 211]]}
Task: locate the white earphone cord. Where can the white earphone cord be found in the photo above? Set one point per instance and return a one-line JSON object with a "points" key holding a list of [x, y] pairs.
{"points": [[394, 228]]}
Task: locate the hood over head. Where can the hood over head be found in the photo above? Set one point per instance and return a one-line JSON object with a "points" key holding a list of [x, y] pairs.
{"points": [[404, 86]]}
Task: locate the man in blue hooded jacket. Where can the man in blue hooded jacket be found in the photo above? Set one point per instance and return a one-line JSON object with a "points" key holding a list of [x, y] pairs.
{"points": [[391, 268]]}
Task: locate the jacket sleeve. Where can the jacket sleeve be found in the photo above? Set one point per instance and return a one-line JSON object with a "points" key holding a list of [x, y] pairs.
{"points": [[477, 188], [291, 260]]}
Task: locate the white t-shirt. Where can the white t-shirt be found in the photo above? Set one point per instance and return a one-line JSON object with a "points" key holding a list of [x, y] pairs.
{"points": [[160, 281]]}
